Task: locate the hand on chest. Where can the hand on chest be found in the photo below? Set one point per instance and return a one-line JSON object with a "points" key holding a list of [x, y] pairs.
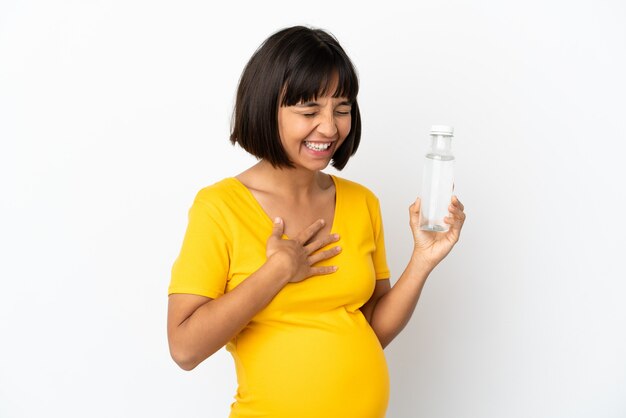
{"points": [[350, 286]]}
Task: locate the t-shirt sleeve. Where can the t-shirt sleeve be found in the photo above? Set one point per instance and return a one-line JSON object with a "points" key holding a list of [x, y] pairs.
{"points": [[203, 263], [379, 256]]}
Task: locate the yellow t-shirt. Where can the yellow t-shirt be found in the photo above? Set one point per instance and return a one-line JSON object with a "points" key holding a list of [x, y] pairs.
{"points": [[310, 352]]}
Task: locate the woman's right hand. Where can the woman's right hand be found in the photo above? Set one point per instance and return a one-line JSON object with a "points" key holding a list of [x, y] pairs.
{"points": [[298, 255]]}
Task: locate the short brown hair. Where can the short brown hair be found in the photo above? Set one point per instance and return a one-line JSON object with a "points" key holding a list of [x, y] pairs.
{"points": [[293, 65]]}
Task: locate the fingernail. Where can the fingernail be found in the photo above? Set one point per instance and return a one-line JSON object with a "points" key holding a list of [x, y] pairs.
{"points": [[336, 236], [337, 248], [277, 220]]}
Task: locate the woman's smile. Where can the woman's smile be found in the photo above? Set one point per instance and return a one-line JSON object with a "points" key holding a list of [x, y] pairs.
{"points": [[312, 131]]}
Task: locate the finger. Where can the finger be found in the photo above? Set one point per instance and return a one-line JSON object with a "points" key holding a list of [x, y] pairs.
{"points": [[456, 212], [452, 220], [456, 224], [304, 236], [321, 243], [414, 211], [455, 217], [415, 208], [324, 255], [318, 271], [456, 202], [278, 228], [453, 234]]}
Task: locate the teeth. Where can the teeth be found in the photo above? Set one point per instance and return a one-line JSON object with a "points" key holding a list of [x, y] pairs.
{"points": [[317, 146]]}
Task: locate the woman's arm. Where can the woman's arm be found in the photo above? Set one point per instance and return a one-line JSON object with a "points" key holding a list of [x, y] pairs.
{"points": [[198, 326], [390, 308]]}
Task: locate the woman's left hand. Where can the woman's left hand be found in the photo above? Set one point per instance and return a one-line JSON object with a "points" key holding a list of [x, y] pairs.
{"points": [[432, 247]]}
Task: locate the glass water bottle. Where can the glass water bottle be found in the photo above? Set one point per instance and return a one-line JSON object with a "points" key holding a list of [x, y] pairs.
{"points": [[438, 179]]}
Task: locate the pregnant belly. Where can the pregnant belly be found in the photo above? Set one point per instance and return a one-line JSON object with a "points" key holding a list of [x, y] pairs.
{"points": [[316, 370]]}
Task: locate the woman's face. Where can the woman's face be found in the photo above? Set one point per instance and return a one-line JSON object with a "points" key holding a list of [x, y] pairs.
{"points": [[311, 132]]}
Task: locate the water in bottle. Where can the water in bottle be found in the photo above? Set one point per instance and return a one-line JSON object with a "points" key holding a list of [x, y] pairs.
{"points": [[438, 179]]}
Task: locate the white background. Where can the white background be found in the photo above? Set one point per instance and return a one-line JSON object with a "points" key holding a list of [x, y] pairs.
{"points": [[114, 114]]}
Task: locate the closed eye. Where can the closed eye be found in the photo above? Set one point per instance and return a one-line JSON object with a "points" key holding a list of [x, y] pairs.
{"points": [[344, 108]]}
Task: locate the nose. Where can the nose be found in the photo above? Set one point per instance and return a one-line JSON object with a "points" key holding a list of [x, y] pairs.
{"points": [[327, 125]]}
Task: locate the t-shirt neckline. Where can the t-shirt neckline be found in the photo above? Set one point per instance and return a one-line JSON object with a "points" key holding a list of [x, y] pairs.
{"points": [[269, 220]]}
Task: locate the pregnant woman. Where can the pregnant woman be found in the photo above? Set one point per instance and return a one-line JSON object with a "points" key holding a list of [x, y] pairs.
{"points": [[285, 264]]}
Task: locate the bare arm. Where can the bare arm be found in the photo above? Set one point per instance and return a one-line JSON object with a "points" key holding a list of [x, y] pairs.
{"points": [[198, 326], [390, 308]]}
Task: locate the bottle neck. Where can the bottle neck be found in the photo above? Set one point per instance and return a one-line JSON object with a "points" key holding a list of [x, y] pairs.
{"points": [[441, 145]]}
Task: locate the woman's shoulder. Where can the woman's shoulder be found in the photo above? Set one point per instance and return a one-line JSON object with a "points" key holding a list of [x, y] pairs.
{"points": [[219, 193], [354, 189]]}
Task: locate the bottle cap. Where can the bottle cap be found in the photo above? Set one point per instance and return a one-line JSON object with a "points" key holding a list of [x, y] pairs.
{"points": [[442, 130]]}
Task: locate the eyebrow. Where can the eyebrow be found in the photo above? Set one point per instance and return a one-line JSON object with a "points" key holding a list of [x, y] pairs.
{"points": [[314, 104]]}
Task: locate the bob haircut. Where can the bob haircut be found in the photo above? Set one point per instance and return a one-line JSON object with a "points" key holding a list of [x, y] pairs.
{"points": [[294, 65]]}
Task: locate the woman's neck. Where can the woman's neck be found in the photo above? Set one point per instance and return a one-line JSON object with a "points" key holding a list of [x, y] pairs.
{"points": [[287, 181]]}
